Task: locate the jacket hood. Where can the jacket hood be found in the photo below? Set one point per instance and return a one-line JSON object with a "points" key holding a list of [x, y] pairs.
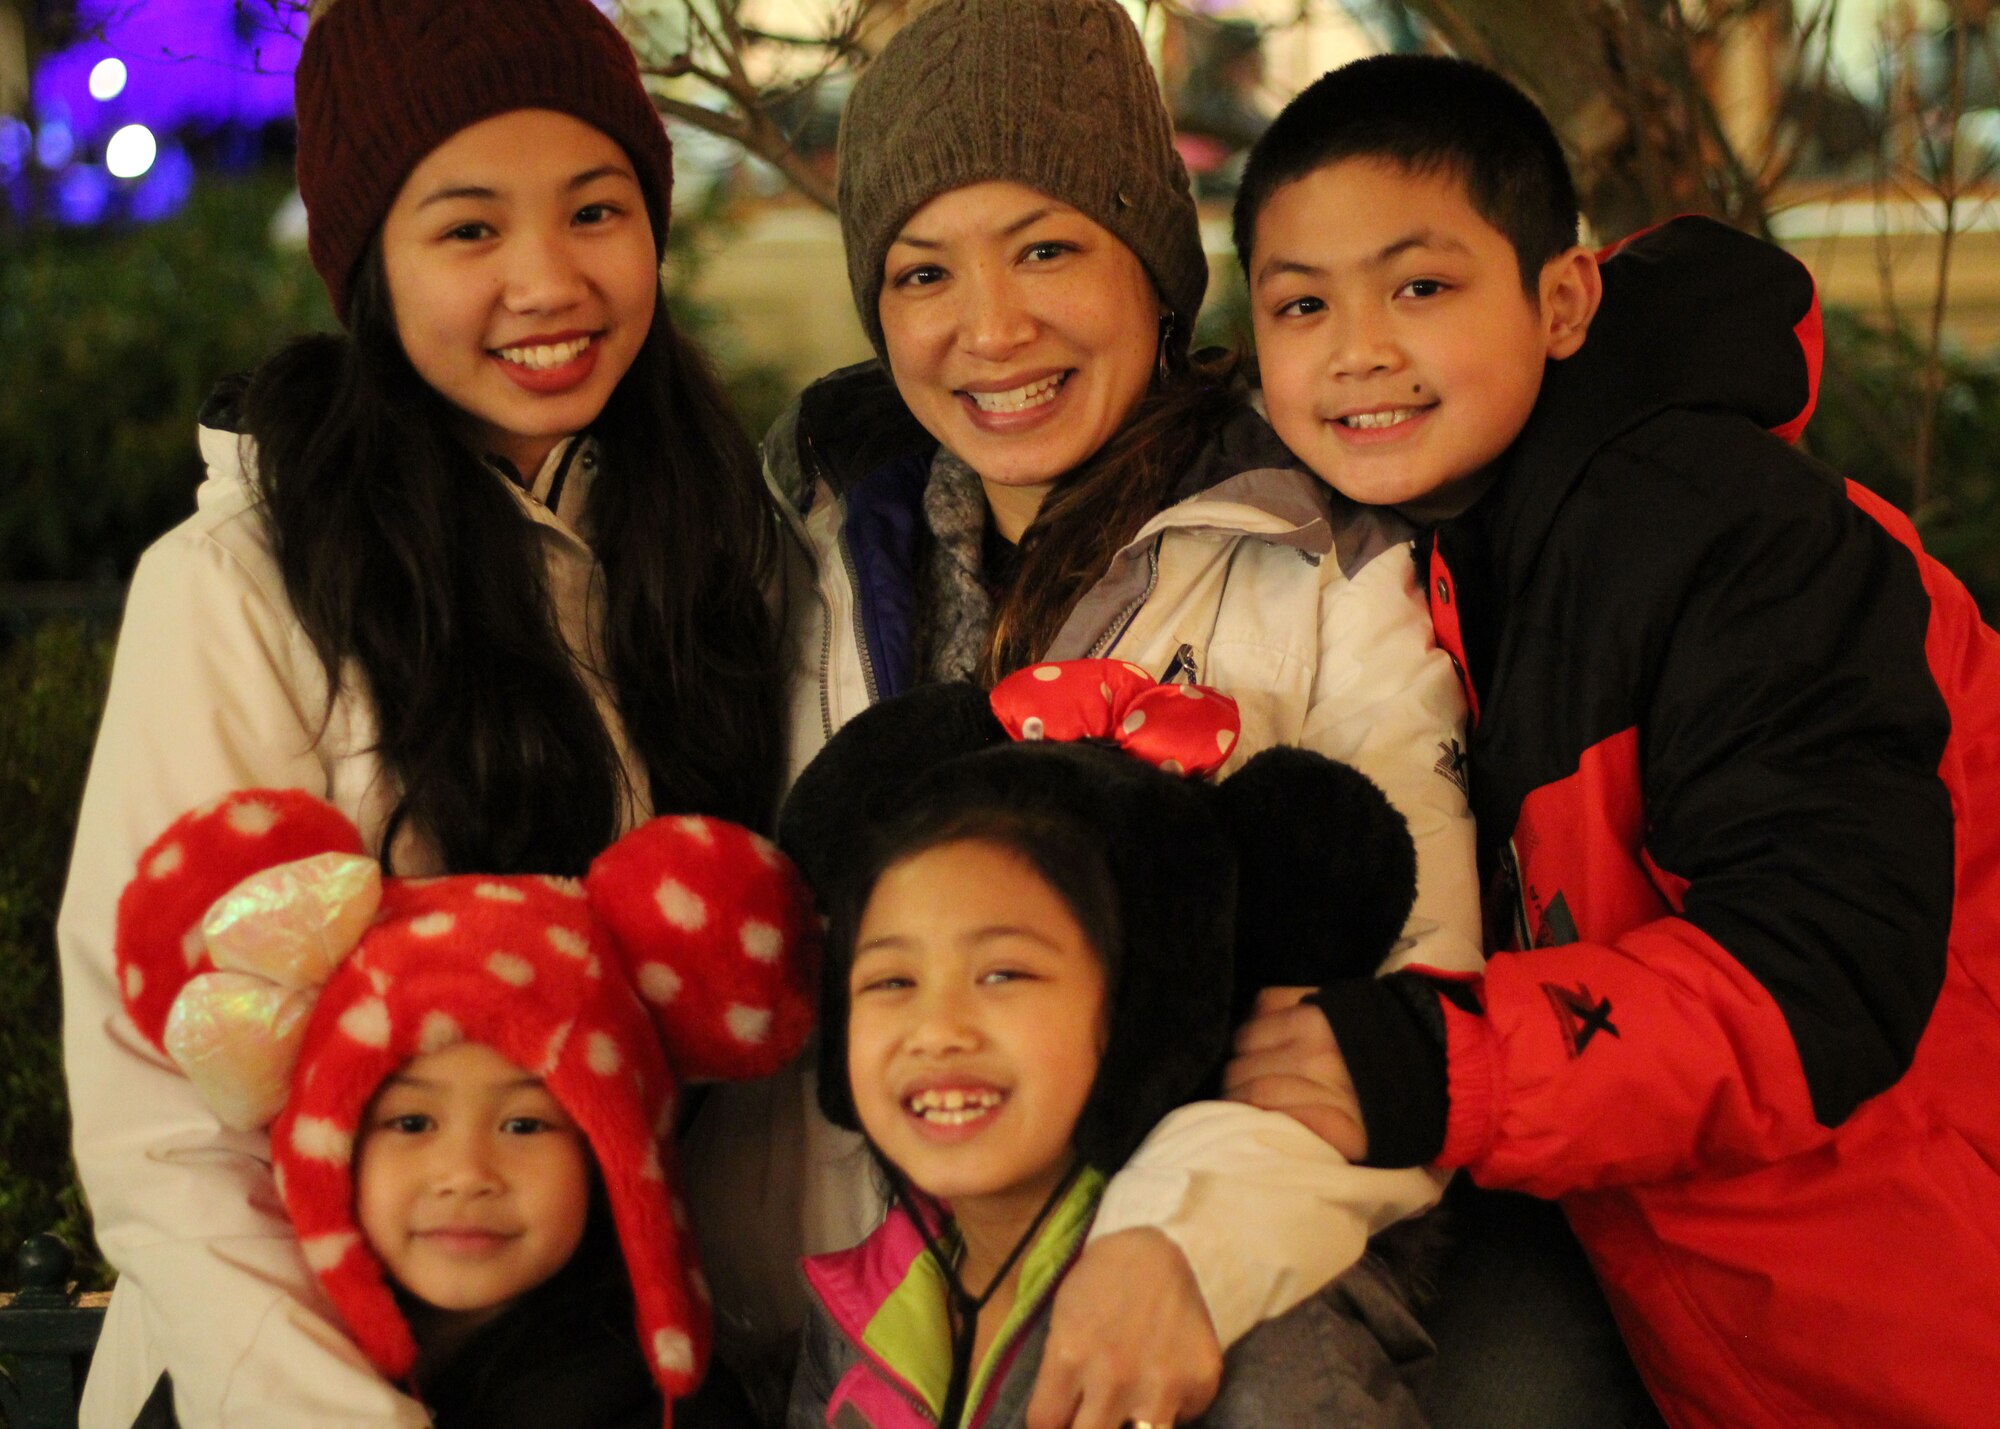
{"points": [[1696, 316]]}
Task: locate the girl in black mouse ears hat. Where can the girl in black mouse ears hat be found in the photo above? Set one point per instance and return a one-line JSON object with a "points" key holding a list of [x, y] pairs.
{"points": [[1041, 919]]}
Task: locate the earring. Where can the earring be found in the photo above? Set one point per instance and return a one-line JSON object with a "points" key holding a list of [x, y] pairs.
{"points": [[1166, 357]]}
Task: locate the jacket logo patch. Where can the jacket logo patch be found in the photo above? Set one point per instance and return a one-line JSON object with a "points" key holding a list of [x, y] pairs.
{"points": [[1579, 1015], [1451, 764], [1558, 927]]}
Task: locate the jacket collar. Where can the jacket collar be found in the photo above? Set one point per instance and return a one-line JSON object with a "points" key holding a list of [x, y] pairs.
{"points": [[888, 1296]]}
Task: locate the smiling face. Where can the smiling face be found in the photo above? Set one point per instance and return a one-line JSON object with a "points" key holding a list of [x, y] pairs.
{"points": [[1020, 333], [1400, 353], [976, 1023], [471, 1182], [523, 275]]}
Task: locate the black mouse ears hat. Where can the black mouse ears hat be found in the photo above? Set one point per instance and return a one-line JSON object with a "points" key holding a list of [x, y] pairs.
{"points": [[1294, 870]]}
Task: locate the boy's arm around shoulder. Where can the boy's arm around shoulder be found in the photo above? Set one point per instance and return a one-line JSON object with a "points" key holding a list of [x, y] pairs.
{"points": [[206, 697], [1774, 812]]}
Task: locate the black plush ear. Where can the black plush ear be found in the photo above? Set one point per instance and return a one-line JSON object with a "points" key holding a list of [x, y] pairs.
{"points": [[1327, 873], [864, 773]]}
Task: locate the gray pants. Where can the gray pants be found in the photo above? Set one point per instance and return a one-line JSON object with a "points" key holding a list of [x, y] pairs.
{"points": [[1524, 1338]]}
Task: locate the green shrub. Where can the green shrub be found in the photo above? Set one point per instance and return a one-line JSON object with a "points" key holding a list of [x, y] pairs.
{"points": [[109, 343], [1863, 429], [51, 689], [111, 340]]}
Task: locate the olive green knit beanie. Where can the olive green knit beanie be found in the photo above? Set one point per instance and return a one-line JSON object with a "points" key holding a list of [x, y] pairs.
{"points": [[1053, 94]]}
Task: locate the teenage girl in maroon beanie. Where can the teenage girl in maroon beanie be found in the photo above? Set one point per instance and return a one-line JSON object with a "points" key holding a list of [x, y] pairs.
{"points": [[487, 572]]}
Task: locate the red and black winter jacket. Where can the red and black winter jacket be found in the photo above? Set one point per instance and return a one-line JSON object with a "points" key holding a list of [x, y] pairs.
{"points": [[1736, 763]]}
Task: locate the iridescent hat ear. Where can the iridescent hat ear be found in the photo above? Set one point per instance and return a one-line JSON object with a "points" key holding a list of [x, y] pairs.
{"points": [[202, 855], [720, 938]]}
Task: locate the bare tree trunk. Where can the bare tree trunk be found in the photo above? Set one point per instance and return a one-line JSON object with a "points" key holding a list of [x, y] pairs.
{"points": [[1625, 83]]}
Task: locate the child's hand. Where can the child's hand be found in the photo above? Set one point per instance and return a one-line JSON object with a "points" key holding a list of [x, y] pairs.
{"points": [[1286, 1060], [1129, 1340]]}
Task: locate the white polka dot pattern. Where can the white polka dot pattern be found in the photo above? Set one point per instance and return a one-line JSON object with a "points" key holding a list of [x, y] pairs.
{"points": [[764, 942], [681, 906], [439, 1031], [601, 1052], [367, 1022], [673, 1352], [499, 893], [433, 925], [748, 1024], [552, 1054], [252, 819], [317, 1139], [510, 969], [659, 983], [325, 1252]]}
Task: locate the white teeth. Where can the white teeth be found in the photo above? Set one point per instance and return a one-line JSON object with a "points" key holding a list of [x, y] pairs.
{"points": [[1018, 399], [953, 1107], [1372, 421], [546, 355]]}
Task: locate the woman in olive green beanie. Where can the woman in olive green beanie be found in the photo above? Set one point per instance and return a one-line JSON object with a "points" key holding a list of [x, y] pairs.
{"points": [[1035, 469]]}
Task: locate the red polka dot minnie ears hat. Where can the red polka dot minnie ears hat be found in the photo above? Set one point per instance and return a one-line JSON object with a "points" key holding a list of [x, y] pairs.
{"points": [[1294, 870], [261, 950]]}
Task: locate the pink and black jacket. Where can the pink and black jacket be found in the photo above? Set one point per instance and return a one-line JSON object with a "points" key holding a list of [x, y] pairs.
{"points": [[1736, 765]]}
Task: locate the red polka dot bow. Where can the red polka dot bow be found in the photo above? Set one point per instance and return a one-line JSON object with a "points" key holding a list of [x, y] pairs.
{"points": [[1182, 729]]}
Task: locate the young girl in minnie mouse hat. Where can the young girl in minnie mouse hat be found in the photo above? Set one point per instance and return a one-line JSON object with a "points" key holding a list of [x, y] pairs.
{"points": [[1041, 917], [471, 1082]]}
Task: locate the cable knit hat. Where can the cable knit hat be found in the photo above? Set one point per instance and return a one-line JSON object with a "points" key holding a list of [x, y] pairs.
{"points": [[381, 83], [1053, 94], [272, 961]]}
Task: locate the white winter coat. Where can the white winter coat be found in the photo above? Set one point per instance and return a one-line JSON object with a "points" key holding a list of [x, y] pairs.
{"points": [[217, 688]]}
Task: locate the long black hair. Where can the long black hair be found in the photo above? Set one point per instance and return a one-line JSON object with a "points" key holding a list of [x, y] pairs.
{"points": [[412, 567]]}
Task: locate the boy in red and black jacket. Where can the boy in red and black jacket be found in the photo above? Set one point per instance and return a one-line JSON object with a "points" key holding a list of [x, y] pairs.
{"points": [[1736, 763]]}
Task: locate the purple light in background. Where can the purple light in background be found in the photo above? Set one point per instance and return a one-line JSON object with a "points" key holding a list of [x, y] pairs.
{"points": [[83, 194], [55, 145], [17, 141], [199, 62], [166, 186]]}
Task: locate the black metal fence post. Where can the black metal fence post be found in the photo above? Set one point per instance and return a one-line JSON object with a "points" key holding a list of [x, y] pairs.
{"points": [[48, 1337]]}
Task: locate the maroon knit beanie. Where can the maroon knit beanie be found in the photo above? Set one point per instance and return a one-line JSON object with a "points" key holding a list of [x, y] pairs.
{"points": [[381, 83]]}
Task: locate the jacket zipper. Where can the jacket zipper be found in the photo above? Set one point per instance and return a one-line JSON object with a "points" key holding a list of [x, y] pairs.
{"points": [[1125, 617], [854, 599], [1181, 665], [818, 475], [1006, 1347]]}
